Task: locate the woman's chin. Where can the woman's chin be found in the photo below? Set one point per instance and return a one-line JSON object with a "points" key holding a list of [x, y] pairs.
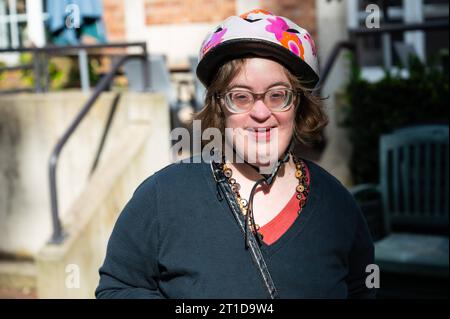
{"points": [[264, 162]]}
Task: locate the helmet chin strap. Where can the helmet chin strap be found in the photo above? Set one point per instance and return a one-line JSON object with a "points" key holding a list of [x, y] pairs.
{"points": [[268, 180]]}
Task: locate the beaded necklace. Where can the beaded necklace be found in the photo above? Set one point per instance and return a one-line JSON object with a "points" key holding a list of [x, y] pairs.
{"points": [[302, 190]]}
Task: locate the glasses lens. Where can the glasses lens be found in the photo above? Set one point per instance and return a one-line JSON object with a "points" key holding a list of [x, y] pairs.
{"points": [[239, 101], [278, 99]]}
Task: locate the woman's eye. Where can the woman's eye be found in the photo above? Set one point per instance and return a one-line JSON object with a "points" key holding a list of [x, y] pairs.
{"points": [[277, 95], [241, 97]]}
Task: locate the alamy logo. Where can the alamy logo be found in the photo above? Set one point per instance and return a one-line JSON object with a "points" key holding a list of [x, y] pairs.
{"points": [[73, 18], [373, 17], [73, 276], [237, 145], [373, 279]]}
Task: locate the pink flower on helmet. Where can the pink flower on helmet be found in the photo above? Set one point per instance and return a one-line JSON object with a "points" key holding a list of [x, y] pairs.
{"points": [[312, 44], [287, 39], [215, 39], [278, 26]]}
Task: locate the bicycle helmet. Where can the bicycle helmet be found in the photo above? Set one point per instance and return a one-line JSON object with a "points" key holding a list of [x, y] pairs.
{"points": [[262, 34]]}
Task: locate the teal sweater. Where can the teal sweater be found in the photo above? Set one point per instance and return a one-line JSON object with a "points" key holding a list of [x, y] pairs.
{"points": [[176, 238]]}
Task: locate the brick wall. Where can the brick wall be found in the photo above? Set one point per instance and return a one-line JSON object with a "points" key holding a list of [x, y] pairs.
{"points": [[114, 18], [188, 11], [160, 13], [302, 12]]}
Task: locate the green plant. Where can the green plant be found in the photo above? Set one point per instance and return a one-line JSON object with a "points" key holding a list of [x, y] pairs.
{"points": [[2, 74], [74, 78], [373, 109], [63, 72], [55, 73], [27, 76]]}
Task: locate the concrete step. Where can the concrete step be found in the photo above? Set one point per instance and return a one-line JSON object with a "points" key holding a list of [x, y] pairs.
{"points": [[18, 279]]}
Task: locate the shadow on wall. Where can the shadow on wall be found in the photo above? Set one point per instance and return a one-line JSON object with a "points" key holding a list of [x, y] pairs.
{"points": [[30, 126]]}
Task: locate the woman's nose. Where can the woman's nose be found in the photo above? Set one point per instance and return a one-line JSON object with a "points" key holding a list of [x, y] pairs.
{"points": [[260, 112]]}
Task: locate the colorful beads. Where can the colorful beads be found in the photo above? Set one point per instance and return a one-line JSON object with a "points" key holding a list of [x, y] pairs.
{"points": [[228, 172], [302, 190], [303, 183]]}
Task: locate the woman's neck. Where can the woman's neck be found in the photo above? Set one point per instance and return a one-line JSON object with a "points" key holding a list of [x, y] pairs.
{"points": [[252, 174]]}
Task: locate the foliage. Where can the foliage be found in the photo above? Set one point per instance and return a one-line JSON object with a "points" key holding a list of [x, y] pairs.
{"points": [[373, 109], [63, 73]]}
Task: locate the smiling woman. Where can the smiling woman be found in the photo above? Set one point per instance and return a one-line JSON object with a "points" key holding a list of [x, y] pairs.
{"points": [[273, 113], [272, 225]]}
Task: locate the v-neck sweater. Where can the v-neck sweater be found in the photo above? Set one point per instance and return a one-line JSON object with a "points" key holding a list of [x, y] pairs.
{"points": [[275, 228], [177, 238]]}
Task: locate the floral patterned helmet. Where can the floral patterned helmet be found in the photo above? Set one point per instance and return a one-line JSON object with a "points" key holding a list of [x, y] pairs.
{"points": [[260, 33]]}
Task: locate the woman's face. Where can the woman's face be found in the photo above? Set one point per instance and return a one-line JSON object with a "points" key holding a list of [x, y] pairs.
{"points": [[260, 136]]}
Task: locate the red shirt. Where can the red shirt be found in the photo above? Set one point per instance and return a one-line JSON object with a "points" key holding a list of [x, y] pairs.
{"points": [[273, 230]]}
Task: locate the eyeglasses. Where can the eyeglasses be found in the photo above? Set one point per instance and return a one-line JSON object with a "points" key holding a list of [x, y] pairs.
{"points": [[277, 100]]}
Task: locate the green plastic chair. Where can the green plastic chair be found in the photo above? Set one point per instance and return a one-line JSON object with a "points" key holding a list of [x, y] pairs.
{"points": [[414, 192]]}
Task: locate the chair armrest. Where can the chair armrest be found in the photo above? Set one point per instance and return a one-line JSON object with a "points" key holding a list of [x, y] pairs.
{"points": [[363, 188]]}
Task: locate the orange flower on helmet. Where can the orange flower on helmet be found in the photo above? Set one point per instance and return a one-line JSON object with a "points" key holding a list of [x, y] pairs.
{"points": [[292, 42], [256, 11]]}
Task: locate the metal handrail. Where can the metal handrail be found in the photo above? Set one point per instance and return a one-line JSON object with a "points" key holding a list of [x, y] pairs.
{"points": [[106, 129], [38, 52], [16, 67], [58, 48], [343, 45], [58, 235]]}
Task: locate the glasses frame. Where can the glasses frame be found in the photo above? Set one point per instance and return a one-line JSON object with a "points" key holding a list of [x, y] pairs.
{"points": [[256, 97]]}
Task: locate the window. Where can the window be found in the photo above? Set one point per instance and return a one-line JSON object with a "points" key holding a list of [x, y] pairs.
{"points": [[15, 17], [436, 10], [379, 51], [12, 23]]}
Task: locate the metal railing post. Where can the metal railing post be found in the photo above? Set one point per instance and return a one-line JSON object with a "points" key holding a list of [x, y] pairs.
{"points": [[83, 64], [58, 235], [37, 72], [145, 69]]}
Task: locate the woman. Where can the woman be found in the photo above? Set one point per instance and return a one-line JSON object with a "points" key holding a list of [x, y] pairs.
{"points": [[260, 223]]}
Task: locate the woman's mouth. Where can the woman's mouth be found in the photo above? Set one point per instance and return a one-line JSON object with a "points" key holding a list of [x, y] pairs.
{"points": [[261, 134]]}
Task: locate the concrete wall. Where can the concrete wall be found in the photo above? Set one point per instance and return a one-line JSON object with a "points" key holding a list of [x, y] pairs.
{"points": [[70, 270], [332, 28], [29, 128]]}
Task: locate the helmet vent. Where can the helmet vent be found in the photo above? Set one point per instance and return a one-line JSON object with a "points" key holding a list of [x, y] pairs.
{"points": [[252, 20], [218, 29], [292, 31]]}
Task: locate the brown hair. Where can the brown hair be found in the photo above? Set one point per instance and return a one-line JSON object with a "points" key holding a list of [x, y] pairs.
{"points": [[310, 118]]}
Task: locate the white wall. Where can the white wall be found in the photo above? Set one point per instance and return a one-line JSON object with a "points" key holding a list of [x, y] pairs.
{"points": [[332, 28], [247, 5], [135, 20], [176, 41], [35, 22]]}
